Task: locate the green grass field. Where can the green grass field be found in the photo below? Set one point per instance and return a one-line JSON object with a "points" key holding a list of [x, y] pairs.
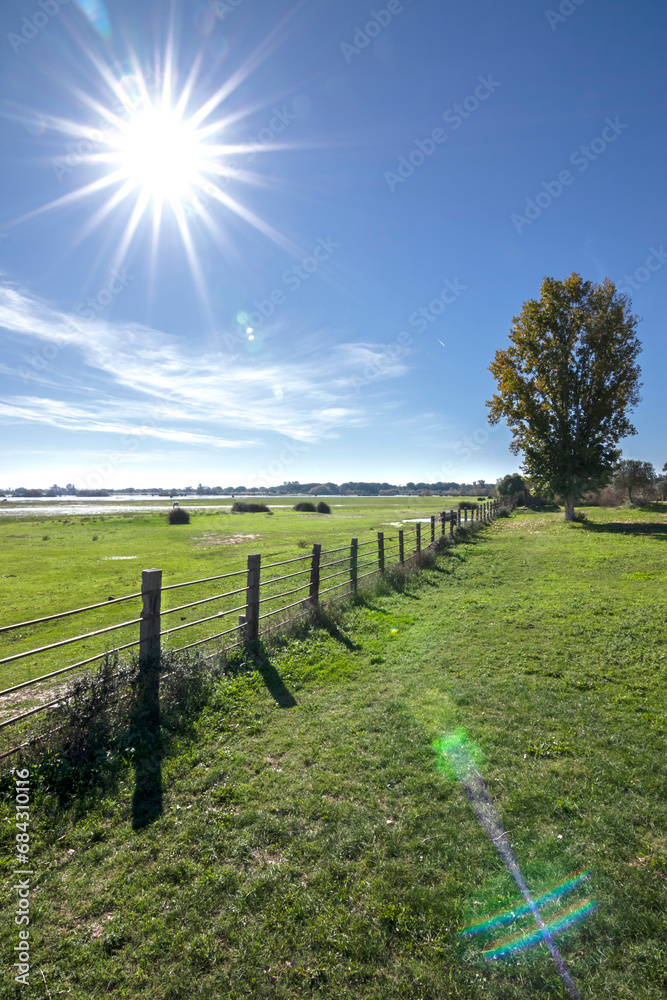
{"points": [[316, 851], [56, 564], [53, 564]]}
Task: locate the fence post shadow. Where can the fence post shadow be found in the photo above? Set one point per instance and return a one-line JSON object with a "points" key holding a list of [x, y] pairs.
{"points": [[145, 729], [147, 798], [261, 660]]}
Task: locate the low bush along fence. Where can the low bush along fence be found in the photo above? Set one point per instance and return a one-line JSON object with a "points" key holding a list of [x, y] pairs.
{"points": [[262, 598]]}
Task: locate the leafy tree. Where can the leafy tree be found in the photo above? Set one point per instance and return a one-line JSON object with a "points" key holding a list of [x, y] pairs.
{"points": [[661, 484], [633, 476], [509, 485], [567, 383]]}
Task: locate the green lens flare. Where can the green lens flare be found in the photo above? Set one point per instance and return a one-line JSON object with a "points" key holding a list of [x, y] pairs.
{"points": [[457, 756]]}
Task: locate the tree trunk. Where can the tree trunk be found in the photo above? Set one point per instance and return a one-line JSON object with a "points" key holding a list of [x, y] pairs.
{"points": [[569, 508]]}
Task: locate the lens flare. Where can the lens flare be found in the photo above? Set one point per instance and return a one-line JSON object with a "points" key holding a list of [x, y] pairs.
{"points": [[457, 758], [96, 13]]}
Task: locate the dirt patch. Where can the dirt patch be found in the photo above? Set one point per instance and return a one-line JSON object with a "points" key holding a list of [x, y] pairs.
{"points": [[33, 693], [208, 540]]}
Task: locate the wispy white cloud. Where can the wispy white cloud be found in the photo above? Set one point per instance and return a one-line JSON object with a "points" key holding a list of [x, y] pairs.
{"points": [[55, 413], [160, 384]]}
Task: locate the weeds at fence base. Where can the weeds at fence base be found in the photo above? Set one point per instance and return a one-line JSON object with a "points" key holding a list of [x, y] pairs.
{"points": [[96, 730]]}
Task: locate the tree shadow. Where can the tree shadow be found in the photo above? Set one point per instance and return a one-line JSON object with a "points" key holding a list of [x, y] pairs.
{"points": [[637, 528]]}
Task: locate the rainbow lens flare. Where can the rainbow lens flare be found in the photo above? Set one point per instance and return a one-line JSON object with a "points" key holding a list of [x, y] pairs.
{"points": [[96, 13], [555, 922], [458, 758]]}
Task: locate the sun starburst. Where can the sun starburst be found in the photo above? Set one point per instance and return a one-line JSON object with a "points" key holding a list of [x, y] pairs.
{"points": [[161, 148]]}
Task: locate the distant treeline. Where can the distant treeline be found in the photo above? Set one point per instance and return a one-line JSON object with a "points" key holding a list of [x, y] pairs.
{"points": [[286, 489]]}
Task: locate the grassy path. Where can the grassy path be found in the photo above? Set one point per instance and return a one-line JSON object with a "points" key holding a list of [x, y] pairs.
{"points": [[315, 851]]}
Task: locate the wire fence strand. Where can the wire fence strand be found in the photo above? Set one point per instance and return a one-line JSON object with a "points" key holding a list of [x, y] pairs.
{"points": [[360, 564]]}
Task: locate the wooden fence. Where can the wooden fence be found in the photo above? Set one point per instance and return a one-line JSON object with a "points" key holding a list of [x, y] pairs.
{"points": [[317, 576]]}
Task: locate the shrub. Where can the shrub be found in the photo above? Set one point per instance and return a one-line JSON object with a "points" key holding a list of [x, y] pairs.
{"points": [[467, 505], [250, 508], [307, 506], [606, 497], [323, 508], [178, 516]]}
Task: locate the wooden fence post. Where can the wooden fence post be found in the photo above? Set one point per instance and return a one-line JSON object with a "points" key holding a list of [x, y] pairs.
{"points": [[418, 538], [381, 551], [252, 600], [354, 555], [451, 524], [148, 693], [401, 547], [314, 592], [432, 528], [443, 519], [465, 515]]}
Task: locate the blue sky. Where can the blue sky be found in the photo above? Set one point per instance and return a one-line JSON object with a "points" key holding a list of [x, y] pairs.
{"points": [[323, 300]]}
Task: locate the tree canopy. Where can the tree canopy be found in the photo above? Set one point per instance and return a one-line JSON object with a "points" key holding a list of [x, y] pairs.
{"points": [[509, 485], [632, 476], [567, 383]]}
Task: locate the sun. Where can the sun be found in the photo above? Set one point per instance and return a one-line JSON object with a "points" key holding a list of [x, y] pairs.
{"points": [[161, 154], [162, 162]]}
